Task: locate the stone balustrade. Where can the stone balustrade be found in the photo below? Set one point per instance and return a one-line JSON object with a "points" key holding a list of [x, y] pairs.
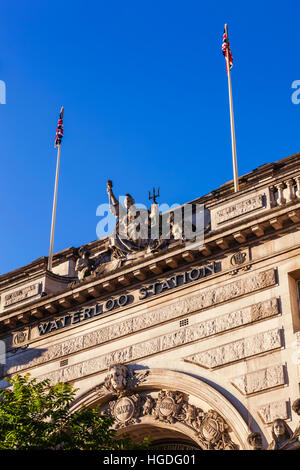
{"points": [[285, 192]]}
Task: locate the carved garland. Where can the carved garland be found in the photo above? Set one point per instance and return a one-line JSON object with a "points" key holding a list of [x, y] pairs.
{"points": [[209, 428]]}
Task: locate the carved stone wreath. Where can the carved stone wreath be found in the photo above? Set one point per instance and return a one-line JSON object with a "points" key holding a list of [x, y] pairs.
{"points": [[168, 406]]}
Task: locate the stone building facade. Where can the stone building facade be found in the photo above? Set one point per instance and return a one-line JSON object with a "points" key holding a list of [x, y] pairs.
{"points": [[196, 348]]}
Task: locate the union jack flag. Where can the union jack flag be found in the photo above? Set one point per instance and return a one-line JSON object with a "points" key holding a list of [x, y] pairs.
{"points": [[226, 49], [59, 130]]}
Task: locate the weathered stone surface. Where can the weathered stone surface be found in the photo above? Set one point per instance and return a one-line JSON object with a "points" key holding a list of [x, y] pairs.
{"points": [[260, 380], [72, 345], [237, 350], [241, 208], [146, 348], [274, 410], [264, 342], [21, 294], [33, 357]]}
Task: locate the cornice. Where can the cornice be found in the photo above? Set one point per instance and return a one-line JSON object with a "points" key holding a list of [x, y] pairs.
{"points": [[250, 228], [272, 223]]}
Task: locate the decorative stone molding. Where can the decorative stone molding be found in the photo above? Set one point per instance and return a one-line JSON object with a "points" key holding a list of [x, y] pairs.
{"points": [[21, 294], [237, 350], [239, 209], [170, 407], [260, 380], [195, 391], [197, 331]]}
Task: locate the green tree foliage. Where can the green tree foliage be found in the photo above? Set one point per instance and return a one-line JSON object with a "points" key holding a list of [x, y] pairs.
{"points": [[36, 415]]}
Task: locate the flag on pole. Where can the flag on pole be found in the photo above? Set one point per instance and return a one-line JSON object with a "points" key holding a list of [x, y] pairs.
{"points": [[59, 130], [229, 63], [226, 49], [58, 136]]}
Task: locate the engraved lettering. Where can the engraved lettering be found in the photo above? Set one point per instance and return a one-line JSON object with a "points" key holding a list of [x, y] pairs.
{"points": [[53, 326], [75, 317], [43, 328], [143, 293], [109, 304], [122, 300]]}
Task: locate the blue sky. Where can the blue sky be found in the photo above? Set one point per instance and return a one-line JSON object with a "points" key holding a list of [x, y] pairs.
{"points": [[145, 93]]}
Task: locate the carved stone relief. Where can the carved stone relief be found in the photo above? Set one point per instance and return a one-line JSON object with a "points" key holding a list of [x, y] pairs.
{"points": [[125, 410], [177, 338], [166, 406], [239, 209], [21, 294], [237, 350], [120, 379], [260, 380]]}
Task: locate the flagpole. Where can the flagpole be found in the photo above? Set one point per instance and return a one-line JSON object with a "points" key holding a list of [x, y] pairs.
{"points": [[50, 258], [233, 143]]}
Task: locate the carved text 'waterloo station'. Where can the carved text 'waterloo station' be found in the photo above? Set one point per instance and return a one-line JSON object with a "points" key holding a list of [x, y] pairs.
{"points": [[156, 288]]}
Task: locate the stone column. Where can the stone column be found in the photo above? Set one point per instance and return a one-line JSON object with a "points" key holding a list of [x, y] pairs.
{"points": [[297, 179], [272, 196], [291, 191], [280, 199]]}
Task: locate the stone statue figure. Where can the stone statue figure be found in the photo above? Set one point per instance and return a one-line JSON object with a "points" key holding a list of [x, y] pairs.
{"points": [[132, 232], [255, 441], [294, 441], [126, 237], [281, 433], [148, 405], [84, 264], [296, 436]]}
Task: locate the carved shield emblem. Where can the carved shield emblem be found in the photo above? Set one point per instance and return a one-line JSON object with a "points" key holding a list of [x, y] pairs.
{"points": [[167, 406], [124, 410], [238, 258], [210, 430]]}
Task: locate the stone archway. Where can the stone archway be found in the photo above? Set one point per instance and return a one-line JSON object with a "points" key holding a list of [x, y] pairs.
{"points": [[161, 438], [173, 406]]}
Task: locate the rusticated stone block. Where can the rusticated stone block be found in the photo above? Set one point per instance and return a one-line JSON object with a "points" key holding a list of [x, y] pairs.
{"points": [[198, 331], [237, 350], [261, 310], [260, 380], [274, 410]]}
